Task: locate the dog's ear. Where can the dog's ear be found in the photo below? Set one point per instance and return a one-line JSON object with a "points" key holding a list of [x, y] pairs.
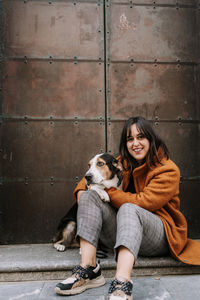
{"points": [[117, 164]]}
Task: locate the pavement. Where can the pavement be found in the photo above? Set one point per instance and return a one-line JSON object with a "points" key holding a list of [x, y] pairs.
{"points": [[181, 287]]}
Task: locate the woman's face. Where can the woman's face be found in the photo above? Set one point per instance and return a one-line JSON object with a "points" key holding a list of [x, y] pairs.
{"points": [[137, 144]]}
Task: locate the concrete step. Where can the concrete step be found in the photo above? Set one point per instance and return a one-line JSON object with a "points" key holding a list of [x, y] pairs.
{"points": [[42, 262]]}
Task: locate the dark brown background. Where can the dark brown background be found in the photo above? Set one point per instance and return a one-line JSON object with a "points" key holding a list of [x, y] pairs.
{"points": [[71, 73]]}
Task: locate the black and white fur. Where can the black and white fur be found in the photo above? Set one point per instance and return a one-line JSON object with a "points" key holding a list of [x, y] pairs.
{"points": [[105, 171]]}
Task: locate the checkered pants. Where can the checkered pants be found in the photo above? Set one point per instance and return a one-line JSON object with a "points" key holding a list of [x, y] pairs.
{"points": [[139, 230]]}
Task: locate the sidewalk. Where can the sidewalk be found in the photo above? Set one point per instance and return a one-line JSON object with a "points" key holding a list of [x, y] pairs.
{"points": [[182, 287]]}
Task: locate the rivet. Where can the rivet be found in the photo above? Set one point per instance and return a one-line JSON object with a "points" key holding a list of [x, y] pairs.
{"points": [[156, 123], [77, 178], [156, 118], [100, 90]]}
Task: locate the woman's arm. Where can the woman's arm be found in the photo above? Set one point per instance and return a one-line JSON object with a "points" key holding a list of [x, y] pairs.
{"points": [[162, 187]]}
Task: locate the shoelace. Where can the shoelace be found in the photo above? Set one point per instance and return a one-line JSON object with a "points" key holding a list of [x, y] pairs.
{"points": [[80, 271], [126, 287]]}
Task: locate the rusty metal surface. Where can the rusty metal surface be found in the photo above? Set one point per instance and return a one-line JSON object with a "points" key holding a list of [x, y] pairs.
{"points": [[167, 91], [59, 89], [41, 150], [157, 2], [54, 102], [58, 29], [31, 213], [189, 195], [143, 33]]}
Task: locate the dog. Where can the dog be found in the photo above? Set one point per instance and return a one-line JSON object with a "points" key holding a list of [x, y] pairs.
{"points": [[105, 171]]}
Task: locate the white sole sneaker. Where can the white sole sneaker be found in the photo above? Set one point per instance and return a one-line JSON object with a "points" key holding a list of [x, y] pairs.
{"points": [[89, 284]]}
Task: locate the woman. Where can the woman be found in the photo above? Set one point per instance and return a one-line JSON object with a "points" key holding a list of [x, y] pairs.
{"points": [[142, 219]]}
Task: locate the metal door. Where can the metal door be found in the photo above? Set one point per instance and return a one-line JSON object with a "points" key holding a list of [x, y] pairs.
{"points": [[72, 72]]}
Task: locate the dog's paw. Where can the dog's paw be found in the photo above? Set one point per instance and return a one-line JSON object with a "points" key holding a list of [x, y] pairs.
{"points": [[102, 194], [59, 247]]}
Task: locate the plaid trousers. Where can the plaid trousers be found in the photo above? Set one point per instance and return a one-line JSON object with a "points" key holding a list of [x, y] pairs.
{"points": [[139, 230]]}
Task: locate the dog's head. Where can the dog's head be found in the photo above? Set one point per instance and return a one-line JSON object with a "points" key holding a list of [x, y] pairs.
{"points": [[104, 169]]}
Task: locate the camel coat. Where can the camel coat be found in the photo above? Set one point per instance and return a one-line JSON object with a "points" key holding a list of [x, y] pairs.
{"points": [[157, 191]]}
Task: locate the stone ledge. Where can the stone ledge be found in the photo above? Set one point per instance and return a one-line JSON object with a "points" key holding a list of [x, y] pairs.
{"points": [[43, 262]]}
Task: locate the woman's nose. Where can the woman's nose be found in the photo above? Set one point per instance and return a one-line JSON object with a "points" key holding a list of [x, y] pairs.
{"points": [[135, 142]]}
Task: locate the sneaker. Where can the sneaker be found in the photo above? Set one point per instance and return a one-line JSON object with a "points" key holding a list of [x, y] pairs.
{"points": [[81, 279], [120, 290]]}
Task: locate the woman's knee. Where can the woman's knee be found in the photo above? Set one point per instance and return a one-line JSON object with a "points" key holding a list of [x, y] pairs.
{"points": [[90, 198], [127, 208]]}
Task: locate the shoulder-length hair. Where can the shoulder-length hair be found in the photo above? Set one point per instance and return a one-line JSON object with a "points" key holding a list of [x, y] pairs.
{"points": [[155, 141]]}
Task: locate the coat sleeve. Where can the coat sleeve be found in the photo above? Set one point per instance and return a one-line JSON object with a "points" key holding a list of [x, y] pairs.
{"points": [[160, 189], [81, 186]]}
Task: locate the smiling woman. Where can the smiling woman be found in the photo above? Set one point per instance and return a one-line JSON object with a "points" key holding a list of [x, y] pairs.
{"points": [[143, 218]]}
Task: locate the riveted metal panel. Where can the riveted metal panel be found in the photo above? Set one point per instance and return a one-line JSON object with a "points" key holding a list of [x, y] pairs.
{"points": [[41, 150], [30, 213], [59, 89], [189, 195], [144, 33], [58, 29], [166, 91], [157, 2]]}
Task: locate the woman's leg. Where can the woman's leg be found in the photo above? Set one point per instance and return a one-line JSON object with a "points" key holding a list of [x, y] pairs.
{"points": [[138, 231], [95, 219]]}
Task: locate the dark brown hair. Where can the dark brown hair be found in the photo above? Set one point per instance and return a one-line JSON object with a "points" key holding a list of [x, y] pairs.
{"points": [[155, 141]]}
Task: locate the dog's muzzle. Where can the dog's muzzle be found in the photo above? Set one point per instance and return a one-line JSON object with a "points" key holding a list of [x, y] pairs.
{"points": [[88, 178]]}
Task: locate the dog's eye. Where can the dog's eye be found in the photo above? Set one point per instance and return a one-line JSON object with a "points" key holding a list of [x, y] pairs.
{"points": [[100, 164]]}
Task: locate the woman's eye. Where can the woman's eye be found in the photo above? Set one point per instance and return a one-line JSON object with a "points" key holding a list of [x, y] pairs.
{"points": [[100, 164], [129, 139], [141, 137]]}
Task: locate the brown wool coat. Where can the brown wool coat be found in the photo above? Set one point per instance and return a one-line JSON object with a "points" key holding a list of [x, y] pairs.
{"points": [[157, 191]]}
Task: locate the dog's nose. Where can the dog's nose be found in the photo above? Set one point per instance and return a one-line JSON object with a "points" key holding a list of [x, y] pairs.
{"points": [[88, 178]]}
